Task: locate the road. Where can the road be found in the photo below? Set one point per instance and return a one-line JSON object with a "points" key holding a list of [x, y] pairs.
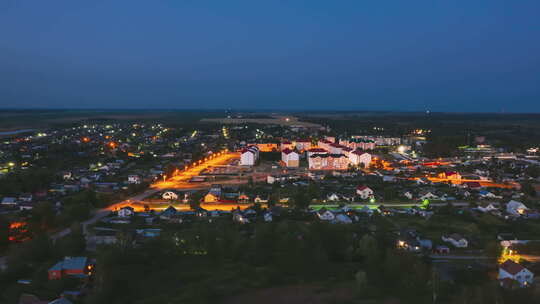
{"points": [[458, 257], [180, 181]]}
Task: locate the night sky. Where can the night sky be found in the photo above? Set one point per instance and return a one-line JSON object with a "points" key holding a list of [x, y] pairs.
{"points": [[478, 56]]}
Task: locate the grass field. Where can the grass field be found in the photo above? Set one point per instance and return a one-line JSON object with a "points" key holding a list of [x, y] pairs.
{"points": [[276, 120]]}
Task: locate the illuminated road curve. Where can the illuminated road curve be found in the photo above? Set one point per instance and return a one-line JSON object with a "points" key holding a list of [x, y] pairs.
{"points": [[180, 181]]}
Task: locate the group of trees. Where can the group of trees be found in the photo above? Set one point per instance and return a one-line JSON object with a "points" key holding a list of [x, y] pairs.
{"points": [[32, 259], [26, 181], [223, 259]]}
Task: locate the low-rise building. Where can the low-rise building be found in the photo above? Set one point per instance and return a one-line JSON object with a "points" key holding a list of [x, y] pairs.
{"points": [[290, 158], [512, 274], [71, 266]]}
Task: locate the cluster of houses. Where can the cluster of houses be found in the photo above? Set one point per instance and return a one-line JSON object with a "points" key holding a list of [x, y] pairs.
{"points": [[324, 156], [108, 158]]}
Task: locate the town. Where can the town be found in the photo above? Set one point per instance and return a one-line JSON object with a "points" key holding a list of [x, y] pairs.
{"points": [[136, 211]]}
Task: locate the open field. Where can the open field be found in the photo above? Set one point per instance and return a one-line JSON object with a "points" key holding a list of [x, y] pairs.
{"points": [[276, 120], [11, 120]]}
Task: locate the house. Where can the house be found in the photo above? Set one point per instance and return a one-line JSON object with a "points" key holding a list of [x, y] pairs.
{"points": [[488, 208], [389, 178], [149, 232], [267, 147], [259, 199], [169, 195], [456, 240], [472, 185], [287, 145], [364, 192], [168, 213], [61, 301], [239, 217], [243, 198], [211, 198], [332, 197], [487, 194], [342, 219], [511, 273], [201, 212], [9, 201], [25, 197], [290, 158], [441, 249], [360, 158], [407, 194], [451, 175], [249, 156], [409, 244], [328, 162], [134, 179], [423, 195], [71, 266], [303, 145], [423, 181], [516, 208], [313, 151], [325, 214], [126, 212], [268, 217]]}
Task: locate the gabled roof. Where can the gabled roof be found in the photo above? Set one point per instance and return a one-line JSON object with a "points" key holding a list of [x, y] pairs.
{"points": [[359, 152], [319, 150], [288, 151], [362, 187], [61, 301], [70, 263], [455, 236], [511, 267]]}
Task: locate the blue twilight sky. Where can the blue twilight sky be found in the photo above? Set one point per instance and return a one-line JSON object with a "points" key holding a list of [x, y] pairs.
{"points": [[338, 55]]}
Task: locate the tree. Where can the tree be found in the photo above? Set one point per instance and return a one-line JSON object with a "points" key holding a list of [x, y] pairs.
{"points": [[4, 233], [195, 200], [533, 171], [42, 217], [301, 200], [528, 189], [74, 243]]}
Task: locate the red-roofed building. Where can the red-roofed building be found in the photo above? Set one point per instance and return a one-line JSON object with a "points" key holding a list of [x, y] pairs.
{"points": [[249, 156], [287, 145], [328, 162], [510, 270], [316, 151], [359, 158], [454, 175], [335, 149], [473, 185], [364, 192], [303, 145], [290, 158]]}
